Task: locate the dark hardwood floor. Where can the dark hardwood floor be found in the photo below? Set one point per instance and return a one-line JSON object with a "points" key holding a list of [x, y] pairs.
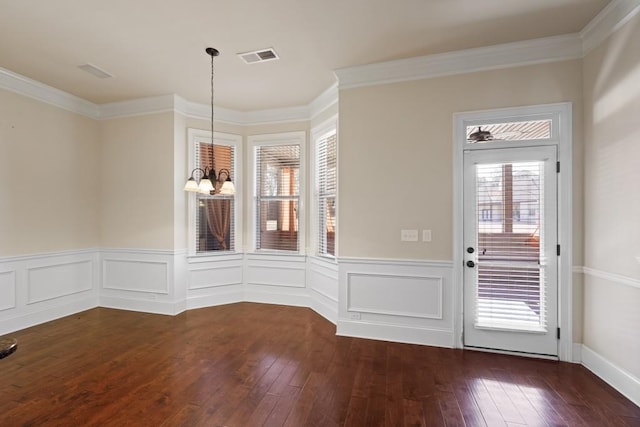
{"points": [[252, 364]]}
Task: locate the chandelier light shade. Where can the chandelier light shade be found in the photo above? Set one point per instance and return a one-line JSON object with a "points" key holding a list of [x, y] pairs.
{"points": [[204, 180], [227, 187]]}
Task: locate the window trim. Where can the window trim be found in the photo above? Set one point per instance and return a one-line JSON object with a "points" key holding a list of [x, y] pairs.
{"points": [[273, 139], [195, 136], [317, 133]]}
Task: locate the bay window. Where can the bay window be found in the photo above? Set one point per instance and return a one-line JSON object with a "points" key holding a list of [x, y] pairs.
{"points": [[278, 185], [215, 219], [325, 164]]}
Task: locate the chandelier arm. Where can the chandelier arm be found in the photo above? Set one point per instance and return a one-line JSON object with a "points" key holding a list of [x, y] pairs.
{"points": [[226, 172]]}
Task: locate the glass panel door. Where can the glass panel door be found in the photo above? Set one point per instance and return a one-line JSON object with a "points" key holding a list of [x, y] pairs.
{"points": [[510, 238]]}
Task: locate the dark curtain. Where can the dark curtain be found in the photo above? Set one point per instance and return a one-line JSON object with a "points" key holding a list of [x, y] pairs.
{"points": [[219, 219]]}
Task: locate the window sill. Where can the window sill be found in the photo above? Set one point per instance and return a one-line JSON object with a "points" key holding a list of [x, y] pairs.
{"points": [[211, 257], [327, 259], [292, 256]]}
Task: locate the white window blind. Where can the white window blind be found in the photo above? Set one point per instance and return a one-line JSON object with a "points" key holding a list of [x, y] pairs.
{"points": [[327, 182], [511, 279], [215, 214], [277, 197]]}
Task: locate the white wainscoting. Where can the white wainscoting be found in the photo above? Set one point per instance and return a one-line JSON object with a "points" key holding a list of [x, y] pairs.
{"points": [[215, 280], [140, 280], [616, 377], [7, 290], [276, 279], [396, 300], [322, 282], [48, 282], [39, 288]]}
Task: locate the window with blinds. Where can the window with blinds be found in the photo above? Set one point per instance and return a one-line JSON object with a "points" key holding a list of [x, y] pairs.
{"points": [[215, 214], [326, 187], [511, 280], [277, 197]]}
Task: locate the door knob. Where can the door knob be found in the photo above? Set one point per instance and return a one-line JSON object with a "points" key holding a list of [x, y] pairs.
{"points": [[471, 264]]}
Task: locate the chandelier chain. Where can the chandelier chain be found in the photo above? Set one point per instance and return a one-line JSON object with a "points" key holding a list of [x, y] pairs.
{"points": [[213, 164]]}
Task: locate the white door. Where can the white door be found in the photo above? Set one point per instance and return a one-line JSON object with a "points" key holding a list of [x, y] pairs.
{"points": [[510, 244]]}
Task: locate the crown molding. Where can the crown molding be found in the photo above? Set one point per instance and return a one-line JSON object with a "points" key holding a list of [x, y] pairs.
{"points": [[25, 86], [548, 49], [30, 88], [609, 20], [324, 101], [138, 107], [244, 118]]}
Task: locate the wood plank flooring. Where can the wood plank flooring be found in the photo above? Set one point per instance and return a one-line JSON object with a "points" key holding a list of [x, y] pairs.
{"points": [[253, 365]]}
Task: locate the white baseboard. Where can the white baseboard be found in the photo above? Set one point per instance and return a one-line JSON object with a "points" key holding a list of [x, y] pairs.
{"points": [[42, 287], [403, 334], [324, 306], [231, 297], [52, 312], [627, 384], [279, 298], [170, 308]]}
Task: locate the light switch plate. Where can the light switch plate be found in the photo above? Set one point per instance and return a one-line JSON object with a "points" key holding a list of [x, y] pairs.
{"points": [[409, 235], [426, 235]]}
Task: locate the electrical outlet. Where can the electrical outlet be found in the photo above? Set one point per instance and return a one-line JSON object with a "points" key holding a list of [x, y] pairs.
{"points": [[355, 316], [426, 235], [409, 235]]}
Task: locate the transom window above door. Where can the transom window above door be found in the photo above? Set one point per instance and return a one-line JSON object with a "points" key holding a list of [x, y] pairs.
{"points": [[529, 130]]}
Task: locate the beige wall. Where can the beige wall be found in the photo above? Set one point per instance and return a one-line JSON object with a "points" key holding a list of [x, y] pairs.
{"points": [[49, 183], [180, 175], [612, 198], [137, 182], [396, 152]]}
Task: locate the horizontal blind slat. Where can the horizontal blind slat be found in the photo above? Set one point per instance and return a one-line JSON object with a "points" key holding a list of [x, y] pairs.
{"points": [[277, 197]]}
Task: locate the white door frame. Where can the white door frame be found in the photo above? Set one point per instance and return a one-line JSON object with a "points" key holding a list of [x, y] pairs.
{"points": [[562, 135]]}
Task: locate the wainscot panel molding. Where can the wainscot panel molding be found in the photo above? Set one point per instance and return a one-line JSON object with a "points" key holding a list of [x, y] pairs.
{"points": [[141, 280], [7, 289], [46, 282], [615, 376], [214, 280], [42, 287], [276, 279], [275, 270], [322, 282], [370, 305]]}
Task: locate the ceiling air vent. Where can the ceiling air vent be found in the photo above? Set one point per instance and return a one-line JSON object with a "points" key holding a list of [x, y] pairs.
{"points": [[261, 55], [98, 72]]}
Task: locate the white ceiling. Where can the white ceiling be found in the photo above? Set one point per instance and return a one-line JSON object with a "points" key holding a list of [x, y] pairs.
{"points": [[157, 47]]}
